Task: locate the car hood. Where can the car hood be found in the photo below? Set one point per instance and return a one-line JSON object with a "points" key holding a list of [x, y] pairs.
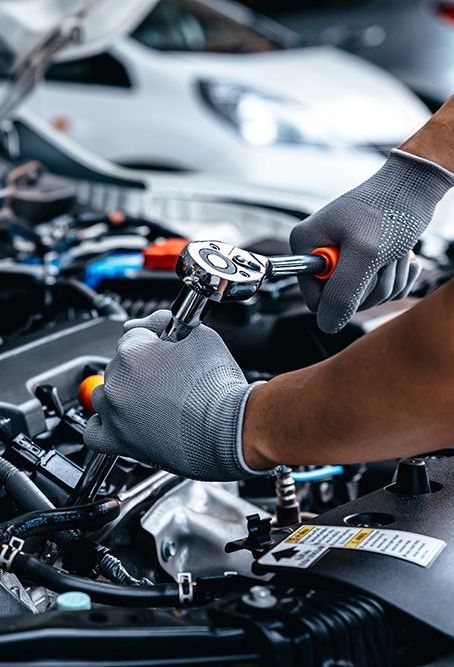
{"points": [[353, 101], [34, 32]]}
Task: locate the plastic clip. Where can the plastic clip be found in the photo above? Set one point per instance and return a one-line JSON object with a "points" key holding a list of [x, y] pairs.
{"points": [[9, 552], [185, 588]]}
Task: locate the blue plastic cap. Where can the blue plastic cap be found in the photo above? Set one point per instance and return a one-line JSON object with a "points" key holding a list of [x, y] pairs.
{"points": [[118, 265], [73, 601]]}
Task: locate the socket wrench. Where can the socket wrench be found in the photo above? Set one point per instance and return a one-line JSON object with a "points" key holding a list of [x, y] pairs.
{"points": [[218, 271]]}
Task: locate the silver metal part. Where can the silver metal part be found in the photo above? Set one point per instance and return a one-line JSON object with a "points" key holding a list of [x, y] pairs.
{"points": [[260, 597], [131, 498], [198, 519], [218, 271], [295, 265], [287, 505], [187, 310], [14, 598], [168, 549], [112, 568], [41, 598]]}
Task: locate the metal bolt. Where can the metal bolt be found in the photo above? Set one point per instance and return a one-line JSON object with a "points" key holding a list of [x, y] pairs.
{"points": [[260, 596], [259, 593], [287, 505], [168, 549]]}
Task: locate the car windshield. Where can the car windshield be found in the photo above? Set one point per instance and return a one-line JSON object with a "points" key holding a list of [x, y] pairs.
{"points": [[191, 25]]}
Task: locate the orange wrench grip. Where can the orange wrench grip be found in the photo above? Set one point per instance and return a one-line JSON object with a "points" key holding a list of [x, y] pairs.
{"points": [[331, 256]]}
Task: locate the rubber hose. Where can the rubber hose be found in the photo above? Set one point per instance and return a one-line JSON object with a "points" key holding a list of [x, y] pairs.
{"points": [[31, 498], [87, 517], [104, 304], [317, 474], [33, 570], [21, 488]]}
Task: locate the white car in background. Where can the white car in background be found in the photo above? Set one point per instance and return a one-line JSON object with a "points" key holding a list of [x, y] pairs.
{"points": [[208, 85]]}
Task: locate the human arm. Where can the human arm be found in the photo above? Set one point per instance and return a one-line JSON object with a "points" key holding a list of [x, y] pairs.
{"points": [[435, 140], [389, 394]]}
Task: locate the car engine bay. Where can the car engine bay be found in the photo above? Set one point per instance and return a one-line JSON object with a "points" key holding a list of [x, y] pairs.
{"points": [[265, 571]]}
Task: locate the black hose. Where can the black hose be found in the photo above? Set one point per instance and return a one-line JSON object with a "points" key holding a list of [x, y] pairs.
{"points": [[104, 304], [87, 517], [22, 488], [33, 570], [26, 494], [30, 497]]}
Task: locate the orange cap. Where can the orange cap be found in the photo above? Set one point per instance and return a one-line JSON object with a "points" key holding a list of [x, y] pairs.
{"points": [[331, 255], [86, 389], [116, 218], [162, 255]]}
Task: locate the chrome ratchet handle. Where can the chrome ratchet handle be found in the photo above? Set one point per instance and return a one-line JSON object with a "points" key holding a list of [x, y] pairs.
{"points": [[187, 313], [295, 265]]}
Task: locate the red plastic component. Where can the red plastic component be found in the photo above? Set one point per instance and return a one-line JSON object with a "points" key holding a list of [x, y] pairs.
{"points": [[162, 255], [446, 11]]}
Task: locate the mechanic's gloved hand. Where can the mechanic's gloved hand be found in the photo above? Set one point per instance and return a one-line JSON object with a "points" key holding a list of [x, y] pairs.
{"points": [[375, 226], [177, 405]]}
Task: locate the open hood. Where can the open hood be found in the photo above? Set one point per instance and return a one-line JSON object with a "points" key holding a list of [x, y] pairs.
{"points": [[34, 32]]}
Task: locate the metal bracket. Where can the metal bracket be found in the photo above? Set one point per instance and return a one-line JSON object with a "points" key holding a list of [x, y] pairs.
{"points": [[9, 552], [185, 588]]}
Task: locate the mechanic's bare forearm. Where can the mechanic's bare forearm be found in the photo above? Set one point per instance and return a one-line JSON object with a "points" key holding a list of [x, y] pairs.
{"points": [[435, 140], [389, 394]]}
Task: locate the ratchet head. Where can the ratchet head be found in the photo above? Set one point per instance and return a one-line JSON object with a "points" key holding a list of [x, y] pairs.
{"points": [[221, 271], [212, 271]]}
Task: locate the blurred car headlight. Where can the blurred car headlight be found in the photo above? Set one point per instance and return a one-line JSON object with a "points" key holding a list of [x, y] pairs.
{"points": [[264, 120]]}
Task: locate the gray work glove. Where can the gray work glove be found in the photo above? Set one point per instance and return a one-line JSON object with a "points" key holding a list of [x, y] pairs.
{"points": [[179, 406], [375, 226]]}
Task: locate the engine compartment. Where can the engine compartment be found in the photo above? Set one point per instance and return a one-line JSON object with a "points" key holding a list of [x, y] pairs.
{"points": [[178, 571]]}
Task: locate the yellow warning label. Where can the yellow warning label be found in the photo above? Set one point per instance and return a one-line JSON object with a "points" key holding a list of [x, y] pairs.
{"points": [[300, 534], [357, 539], [308, 544]]}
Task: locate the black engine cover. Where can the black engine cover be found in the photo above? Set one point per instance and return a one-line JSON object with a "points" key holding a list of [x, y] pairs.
{"points": [[425, 593], [58, 357]]}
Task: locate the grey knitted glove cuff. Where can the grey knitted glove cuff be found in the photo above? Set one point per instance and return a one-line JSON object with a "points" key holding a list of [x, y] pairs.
{"points": [[406, 185], [239, 436], [423, 160], [219, 454]]}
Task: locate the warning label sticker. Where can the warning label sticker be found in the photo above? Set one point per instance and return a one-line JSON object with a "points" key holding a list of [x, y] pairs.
{"points": [[308, 543]]}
